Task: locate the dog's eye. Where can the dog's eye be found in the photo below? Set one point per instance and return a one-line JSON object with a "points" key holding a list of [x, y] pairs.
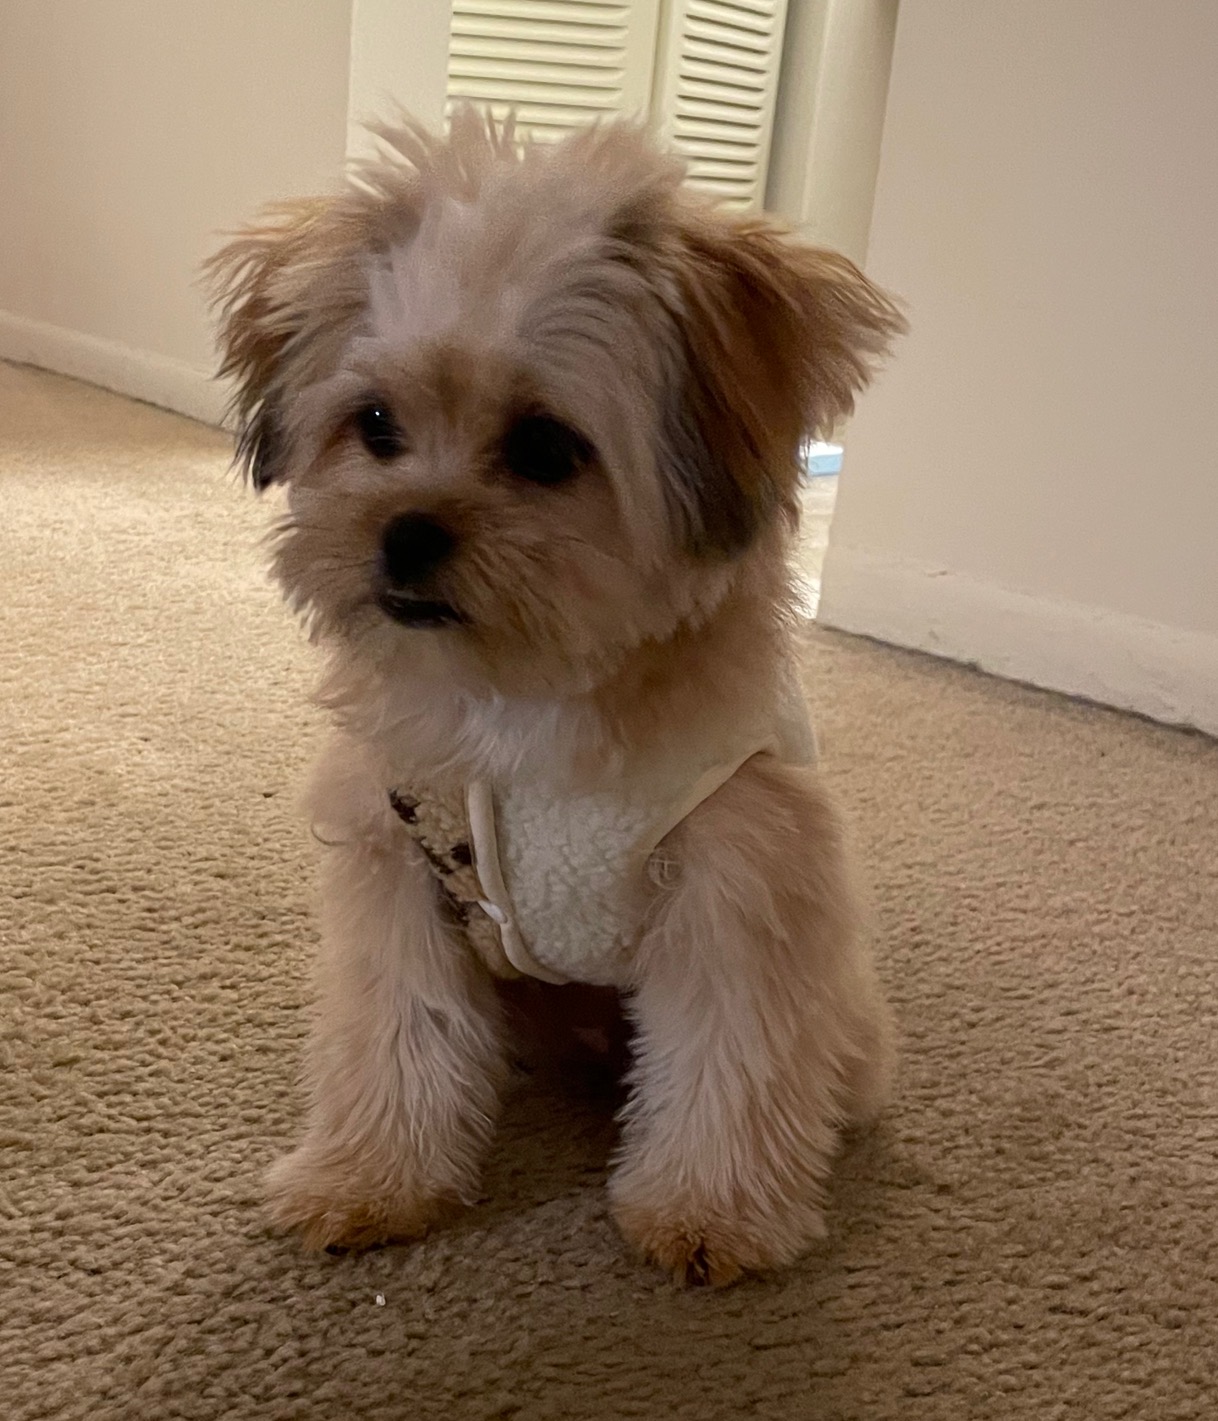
{"points": [[379, 432], [544, 451]]}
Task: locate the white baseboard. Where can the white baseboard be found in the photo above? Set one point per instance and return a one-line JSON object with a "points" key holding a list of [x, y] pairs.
{"points": [[1164, 672], [158, 379]]}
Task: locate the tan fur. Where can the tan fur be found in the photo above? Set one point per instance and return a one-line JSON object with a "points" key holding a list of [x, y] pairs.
{"points": [[761, 1033], [466, 283]]}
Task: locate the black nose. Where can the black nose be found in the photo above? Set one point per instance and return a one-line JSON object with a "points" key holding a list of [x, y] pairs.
{"points": [[412, 546]]}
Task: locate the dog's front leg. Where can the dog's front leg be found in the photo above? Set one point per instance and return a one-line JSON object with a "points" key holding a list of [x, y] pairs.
{"points": [[760, 1034], [405, 1062]]}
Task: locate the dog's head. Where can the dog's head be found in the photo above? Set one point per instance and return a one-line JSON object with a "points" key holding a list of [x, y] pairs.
{"points": [[535, 401]]}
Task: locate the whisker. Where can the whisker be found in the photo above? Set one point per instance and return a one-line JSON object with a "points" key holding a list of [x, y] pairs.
{"points": [[342, 565]]}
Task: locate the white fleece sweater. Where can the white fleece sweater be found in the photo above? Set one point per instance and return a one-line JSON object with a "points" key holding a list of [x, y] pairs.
{"points": [[554, 885]]}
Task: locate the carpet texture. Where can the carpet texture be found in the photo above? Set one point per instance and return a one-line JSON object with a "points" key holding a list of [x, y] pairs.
{"points": [[1031, 1232]]}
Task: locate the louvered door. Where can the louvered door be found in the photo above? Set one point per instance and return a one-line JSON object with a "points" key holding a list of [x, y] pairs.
{"points": [[716, 87], [558, 63], [705, 71]]}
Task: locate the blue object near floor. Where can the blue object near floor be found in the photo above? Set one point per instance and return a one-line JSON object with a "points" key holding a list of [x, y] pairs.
{"points": [[821, 459]]}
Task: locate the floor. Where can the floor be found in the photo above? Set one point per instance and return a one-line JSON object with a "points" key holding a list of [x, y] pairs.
{"points": [[1029, 1235]]}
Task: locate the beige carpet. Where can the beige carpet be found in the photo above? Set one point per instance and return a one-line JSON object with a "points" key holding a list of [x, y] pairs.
{"points": [[1030, 1234]]}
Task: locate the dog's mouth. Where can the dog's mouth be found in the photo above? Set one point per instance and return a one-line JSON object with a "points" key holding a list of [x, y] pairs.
{"points": [[420, 612]]}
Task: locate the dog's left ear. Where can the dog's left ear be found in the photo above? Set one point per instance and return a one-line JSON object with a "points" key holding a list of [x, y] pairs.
{"points": [[777, 340], [287, 290]]}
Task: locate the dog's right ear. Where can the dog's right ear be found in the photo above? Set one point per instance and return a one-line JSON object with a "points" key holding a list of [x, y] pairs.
{"points": [[778, 338], [279, 315]]}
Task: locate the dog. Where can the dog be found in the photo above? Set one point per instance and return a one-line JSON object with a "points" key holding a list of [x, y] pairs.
{"points": [[537, 410]]}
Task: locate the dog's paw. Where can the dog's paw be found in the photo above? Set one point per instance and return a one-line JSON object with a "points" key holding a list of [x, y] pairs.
{"points": [[698, 1247], [331, 1204], [693, 1255]]}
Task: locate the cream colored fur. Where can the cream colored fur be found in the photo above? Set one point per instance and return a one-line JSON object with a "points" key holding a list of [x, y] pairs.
{"points": [[463, 284]]}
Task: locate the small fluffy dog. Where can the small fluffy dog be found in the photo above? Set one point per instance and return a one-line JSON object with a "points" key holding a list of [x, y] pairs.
{"points": [[538, 411]]}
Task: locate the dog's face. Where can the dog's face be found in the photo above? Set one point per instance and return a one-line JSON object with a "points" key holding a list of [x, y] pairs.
{"points": [[537, 405]]}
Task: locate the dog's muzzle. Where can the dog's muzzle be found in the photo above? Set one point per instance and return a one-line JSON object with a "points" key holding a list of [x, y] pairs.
{"points": [[413, 547]]}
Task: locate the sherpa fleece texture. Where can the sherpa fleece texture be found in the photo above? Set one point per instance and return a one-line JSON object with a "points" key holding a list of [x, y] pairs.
{"points": [[563, 877]]}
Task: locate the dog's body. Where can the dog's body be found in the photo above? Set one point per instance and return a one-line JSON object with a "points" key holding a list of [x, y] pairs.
{"points": [[538, 412]]}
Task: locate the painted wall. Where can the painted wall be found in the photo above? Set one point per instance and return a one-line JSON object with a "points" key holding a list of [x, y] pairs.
{"points": [[830, 117], [1034, 483], [399, 59], [133, 131]]}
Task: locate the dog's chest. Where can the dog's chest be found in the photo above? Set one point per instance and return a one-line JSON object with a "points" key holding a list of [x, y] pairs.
{"points": [[548, 885], [552, 882]]}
